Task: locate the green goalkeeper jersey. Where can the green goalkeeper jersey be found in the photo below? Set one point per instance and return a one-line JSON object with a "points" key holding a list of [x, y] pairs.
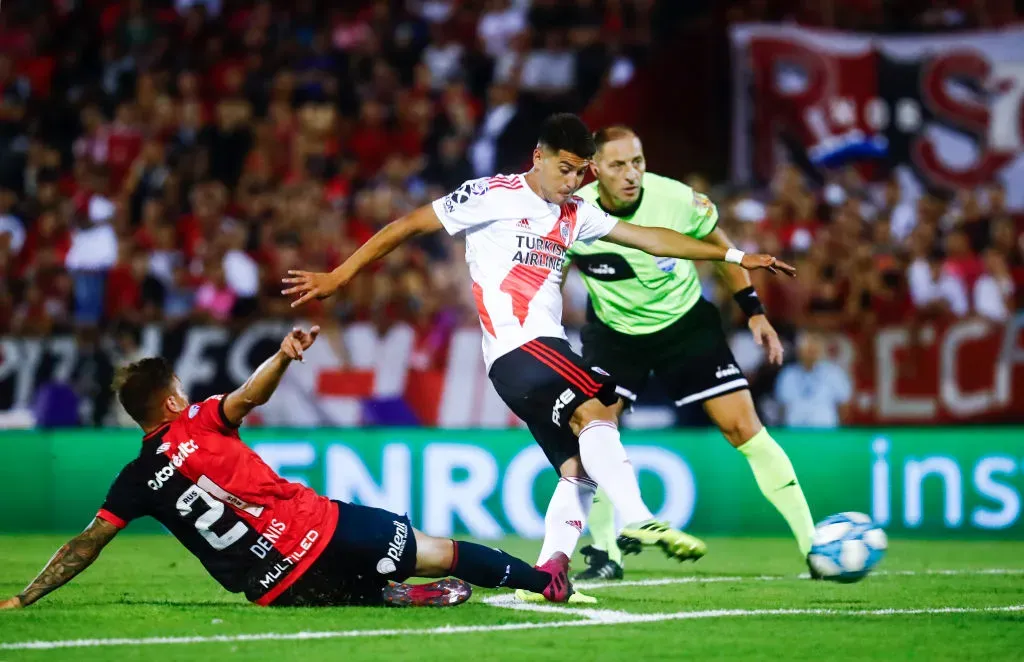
{"points": [[633, 292]]}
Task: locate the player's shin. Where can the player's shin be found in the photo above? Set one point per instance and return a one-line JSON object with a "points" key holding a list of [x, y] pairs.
{"points": [[567, 513], [777, 481], [492, 568], [604, 459]]}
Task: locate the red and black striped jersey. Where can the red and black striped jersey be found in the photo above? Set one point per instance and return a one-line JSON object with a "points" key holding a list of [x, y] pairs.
{"points": [[252, 530]]}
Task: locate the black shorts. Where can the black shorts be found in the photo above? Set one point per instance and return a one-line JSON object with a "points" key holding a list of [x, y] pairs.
{"points": [[369, 547], [543, 382], [691, 357]]}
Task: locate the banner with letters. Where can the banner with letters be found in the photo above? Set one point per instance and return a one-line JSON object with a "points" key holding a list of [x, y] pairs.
{"points": [[927, 482], [967, 371], [947, 110]]}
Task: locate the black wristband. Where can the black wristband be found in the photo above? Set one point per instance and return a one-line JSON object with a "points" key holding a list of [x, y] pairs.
{"points": [[749, 302]]}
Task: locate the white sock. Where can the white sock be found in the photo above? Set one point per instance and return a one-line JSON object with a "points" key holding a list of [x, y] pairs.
{"points": [[604, 459], [566, 516]]}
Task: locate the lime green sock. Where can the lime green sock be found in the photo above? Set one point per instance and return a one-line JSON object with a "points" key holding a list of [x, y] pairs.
{"points": [[774, 474], [602, 526]]}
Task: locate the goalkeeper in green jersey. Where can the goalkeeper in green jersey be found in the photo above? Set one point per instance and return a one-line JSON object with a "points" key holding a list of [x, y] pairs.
{"points": [[648, 316]]}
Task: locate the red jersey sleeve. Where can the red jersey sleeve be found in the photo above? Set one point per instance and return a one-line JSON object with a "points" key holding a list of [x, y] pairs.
{"points": [[209, 415]]}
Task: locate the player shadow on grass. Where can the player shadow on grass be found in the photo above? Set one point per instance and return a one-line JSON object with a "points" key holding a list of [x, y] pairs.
{"points": [[172, 603], [241, 606]]}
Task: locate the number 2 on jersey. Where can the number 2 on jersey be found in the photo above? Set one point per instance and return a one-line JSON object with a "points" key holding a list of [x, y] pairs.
{"points": [[207, 519]]}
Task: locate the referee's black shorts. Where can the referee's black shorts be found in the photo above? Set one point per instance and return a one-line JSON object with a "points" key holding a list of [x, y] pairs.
{"points": [[691, 357]]}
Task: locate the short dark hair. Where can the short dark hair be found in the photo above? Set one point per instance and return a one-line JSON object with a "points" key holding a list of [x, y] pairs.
{"points": [[609, 133], [140, 385], [565, 131]]}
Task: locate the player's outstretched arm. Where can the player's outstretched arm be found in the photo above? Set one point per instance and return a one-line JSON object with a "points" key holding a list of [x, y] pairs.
{"points": [[74, 557], [263, 382], [669, 243], [737, 280], [309, 285]]}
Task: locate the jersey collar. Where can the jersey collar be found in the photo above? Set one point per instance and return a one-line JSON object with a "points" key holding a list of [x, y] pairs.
{"points": [[157, 433], [626, 211]]}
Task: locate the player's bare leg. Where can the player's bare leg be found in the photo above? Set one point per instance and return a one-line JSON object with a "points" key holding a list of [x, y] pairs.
{"points": [[475, 564], [735, 416], [604, 459]]}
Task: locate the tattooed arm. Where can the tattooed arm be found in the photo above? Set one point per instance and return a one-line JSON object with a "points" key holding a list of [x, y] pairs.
{"points": [[74, 557]]}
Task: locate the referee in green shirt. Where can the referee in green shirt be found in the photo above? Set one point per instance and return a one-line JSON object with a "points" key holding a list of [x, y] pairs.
{"points": [[649, 317]]}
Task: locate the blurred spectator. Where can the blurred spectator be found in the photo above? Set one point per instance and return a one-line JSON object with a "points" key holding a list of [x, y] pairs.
{"points": [[176, 160], [241, 273], [502, 132], [551, 68], [215, 299], [123, 296], [451, 167], [212, 7], [500, 21], [10, 224], [814, 392], [443, 56], [994, 289], [936, 290], [92, 253], [1007, 241]]}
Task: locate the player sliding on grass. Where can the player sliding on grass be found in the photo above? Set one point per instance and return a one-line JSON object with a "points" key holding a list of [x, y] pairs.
{"points": [[518, 229], [280, 543], [648, 316]]}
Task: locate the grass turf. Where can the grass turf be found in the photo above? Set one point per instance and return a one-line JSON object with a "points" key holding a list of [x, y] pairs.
{"points": [[149, 586]]}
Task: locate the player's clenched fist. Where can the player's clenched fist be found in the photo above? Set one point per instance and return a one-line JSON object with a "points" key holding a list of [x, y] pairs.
{"points": [[310, 285], [752, 261], [298, 341], [11, 603]]}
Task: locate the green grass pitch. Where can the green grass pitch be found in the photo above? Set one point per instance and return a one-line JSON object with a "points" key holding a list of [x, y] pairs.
{"points": [[930, 601]]}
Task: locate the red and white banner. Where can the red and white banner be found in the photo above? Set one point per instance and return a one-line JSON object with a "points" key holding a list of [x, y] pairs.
{"points": [[968, 371], [945, 111]]}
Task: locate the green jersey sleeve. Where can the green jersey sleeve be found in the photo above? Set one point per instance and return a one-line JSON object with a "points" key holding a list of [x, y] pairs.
{"points": [[696, 215]]}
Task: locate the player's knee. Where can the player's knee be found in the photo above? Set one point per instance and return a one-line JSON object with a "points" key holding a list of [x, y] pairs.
{"points": [[741, 429], [434, 556], [572, 467], [590, 411]]}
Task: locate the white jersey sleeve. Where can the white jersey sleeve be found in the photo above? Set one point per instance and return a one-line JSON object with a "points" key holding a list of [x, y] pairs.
{"points": [[465, 207], [593, 222]]}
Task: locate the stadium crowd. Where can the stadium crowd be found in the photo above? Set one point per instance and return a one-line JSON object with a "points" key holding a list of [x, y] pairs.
{"points": [[169, 161], [175, 160]]}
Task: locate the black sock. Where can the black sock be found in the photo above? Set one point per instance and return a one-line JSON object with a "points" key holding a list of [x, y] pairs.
{"points": [[490, 568]]}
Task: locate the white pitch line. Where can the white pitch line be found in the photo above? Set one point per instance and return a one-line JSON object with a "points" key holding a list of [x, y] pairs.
{"points": [[593, 620], [582, 617], [613, 617], [664, 581]]}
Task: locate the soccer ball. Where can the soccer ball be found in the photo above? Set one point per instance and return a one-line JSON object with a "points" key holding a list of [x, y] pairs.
{"points": [[846, 547]]}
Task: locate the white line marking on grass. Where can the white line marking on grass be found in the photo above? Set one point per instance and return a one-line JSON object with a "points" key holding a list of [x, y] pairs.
{"points": [[696, 579], [610, 617], [581, 617], [591, 617]]}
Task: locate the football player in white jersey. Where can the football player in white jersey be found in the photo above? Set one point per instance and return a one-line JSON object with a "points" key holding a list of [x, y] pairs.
{"points": [[517, 231]]}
